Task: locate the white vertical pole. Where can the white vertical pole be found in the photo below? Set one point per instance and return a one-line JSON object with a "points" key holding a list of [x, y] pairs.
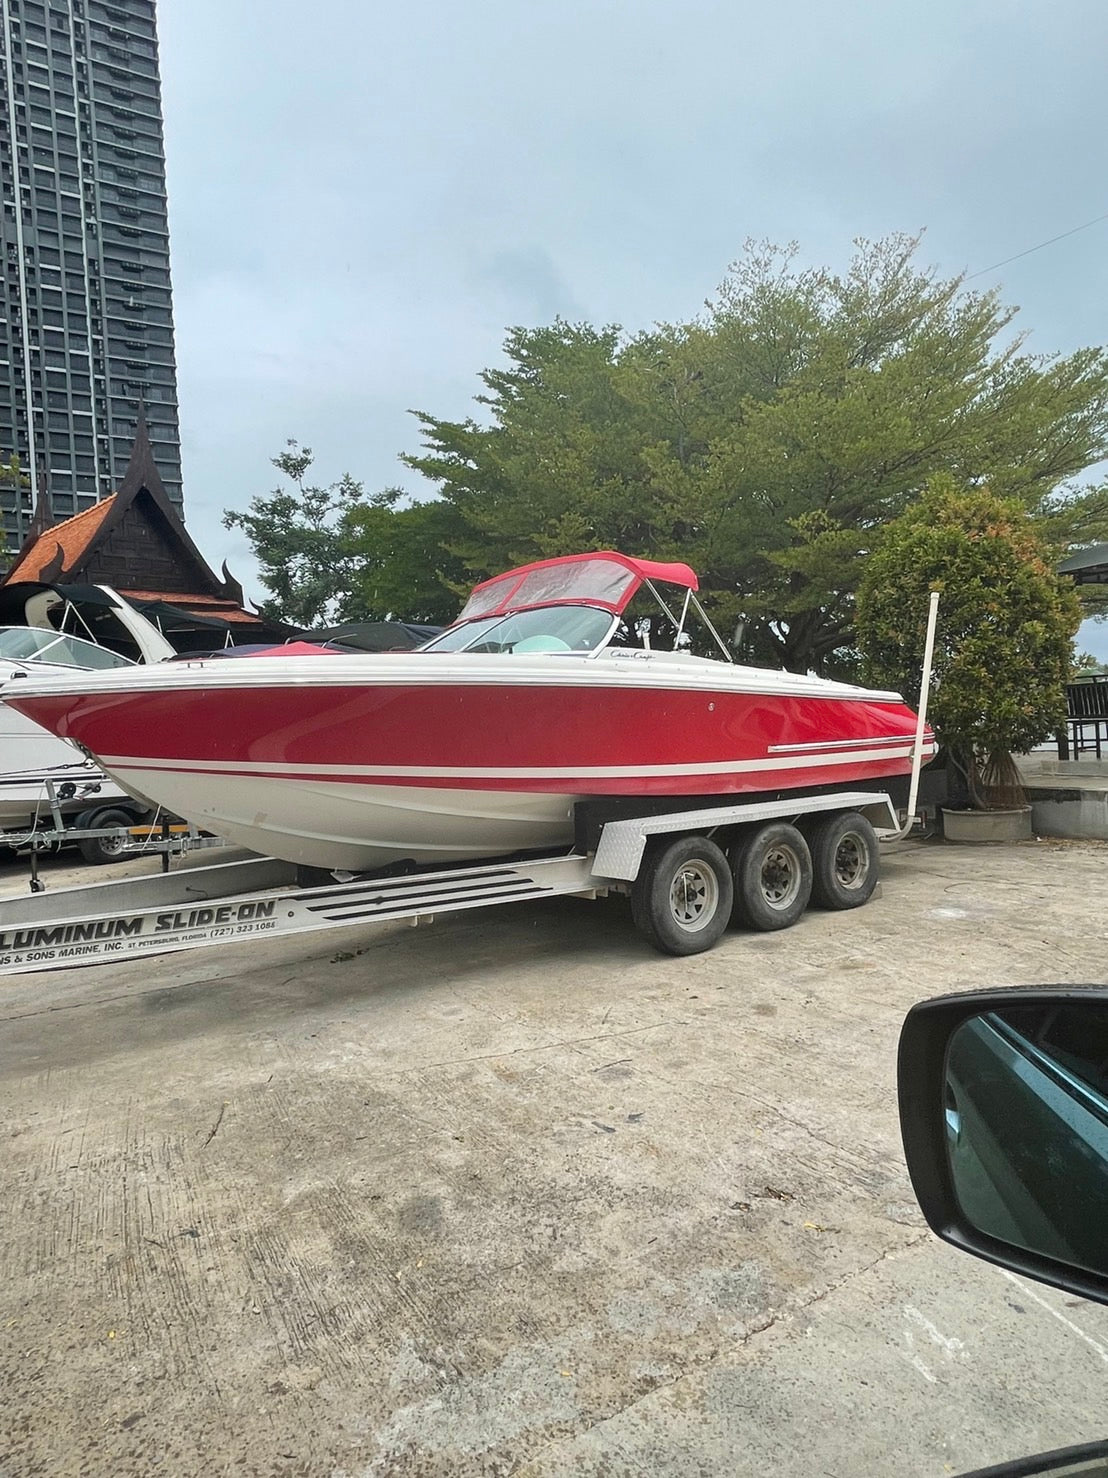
{"points": [[921, 712]]}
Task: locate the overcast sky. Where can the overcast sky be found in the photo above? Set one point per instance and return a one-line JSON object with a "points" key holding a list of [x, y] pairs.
{"points": [[362, 197]]}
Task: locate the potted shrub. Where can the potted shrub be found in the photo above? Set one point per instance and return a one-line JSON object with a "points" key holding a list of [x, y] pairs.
{"points": [[1004, 642]]}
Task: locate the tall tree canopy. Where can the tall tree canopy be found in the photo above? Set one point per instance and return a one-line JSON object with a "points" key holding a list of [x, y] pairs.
{"points": [[1004, 637], [335, 554], [769, 440], [297, 534], [401, 565], [14, 480]]}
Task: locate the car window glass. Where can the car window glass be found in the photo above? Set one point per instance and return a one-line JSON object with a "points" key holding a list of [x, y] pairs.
{"points": [[1027, 1130], [1077, 1040]]}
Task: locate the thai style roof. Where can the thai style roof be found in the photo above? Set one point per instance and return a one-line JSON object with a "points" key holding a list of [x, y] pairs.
{"points": [[136, 542]]}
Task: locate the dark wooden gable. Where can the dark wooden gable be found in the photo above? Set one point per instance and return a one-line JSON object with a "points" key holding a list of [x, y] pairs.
{"points": [[142, 539], [135, 541], [137, 544]]}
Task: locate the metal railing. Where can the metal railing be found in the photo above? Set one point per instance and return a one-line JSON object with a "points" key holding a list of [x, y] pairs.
{"points": [[1086, 730]]}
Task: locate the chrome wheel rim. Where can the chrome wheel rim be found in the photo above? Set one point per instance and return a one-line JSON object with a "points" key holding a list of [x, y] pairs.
{"points": [[780, 877], [694, 896], [851, 861], [113, 846]]}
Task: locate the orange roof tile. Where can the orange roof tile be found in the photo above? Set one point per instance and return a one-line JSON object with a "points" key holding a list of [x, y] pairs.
{"points": [[200, 605], [177, 598], [74, 536]]}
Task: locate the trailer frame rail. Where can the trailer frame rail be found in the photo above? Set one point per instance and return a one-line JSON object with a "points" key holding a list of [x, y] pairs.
{"points": [[204, 906]]}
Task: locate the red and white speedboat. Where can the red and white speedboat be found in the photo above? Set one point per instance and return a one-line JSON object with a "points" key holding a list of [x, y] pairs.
{"points": [[547, 690]]}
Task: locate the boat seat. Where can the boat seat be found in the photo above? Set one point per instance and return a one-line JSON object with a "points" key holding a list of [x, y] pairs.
{"points": [[542, 644]]}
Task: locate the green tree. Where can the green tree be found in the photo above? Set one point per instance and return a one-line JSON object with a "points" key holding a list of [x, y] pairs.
{"points": [[400, 564], [333, 553], [768, 441], [12, 473], [297, 536], [13, 477], [1004, 638]]}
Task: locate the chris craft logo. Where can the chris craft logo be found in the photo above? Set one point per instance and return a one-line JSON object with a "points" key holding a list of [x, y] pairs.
{"points": [[94, 936]]}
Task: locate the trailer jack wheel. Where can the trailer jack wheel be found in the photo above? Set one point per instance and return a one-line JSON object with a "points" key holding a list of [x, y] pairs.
{"points": [[681, 899]]}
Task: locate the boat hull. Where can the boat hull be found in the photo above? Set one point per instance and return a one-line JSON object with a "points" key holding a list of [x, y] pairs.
{"points": [[362, 826], [31, 760], [356, 763]]}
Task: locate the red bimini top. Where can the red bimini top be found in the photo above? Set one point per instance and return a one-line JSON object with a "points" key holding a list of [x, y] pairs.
{"points": [[607, 579]]}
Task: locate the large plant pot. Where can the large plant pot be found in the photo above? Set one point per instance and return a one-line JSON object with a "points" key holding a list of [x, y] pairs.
{"points": [[988, 826]]}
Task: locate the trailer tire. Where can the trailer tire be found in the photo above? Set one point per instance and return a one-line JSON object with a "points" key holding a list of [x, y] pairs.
{"points": [[101, 850], [772, 872], [845, 861], [681, 899]]}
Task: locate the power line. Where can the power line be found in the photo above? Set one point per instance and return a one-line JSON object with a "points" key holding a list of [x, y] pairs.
{"points": [[1073, 232]]}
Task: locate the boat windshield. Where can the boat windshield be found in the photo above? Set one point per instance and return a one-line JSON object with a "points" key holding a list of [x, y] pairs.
{"points": [[594, 578], [32, 644], [541, 629]]}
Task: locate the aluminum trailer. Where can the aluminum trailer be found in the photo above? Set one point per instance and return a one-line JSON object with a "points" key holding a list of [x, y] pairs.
{"points": [[687, 873]]}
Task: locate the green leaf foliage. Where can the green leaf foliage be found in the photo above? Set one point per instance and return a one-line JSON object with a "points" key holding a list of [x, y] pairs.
{"points": [[769, 440], [400, 566], [1006, 621], [335, 554], [297, 537], [13, 477], [12, 473]]}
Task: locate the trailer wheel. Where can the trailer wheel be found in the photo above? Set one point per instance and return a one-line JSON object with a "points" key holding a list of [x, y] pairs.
{"points": [[772, 871], [845, 861], [100, 850], [681, 899]]}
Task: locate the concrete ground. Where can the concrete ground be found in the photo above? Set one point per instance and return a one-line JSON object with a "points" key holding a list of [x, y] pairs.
{"points": [[513, 1194]]}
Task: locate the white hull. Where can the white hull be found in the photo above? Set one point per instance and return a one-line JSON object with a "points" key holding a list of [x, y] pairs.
{"points": [[313, 822]]}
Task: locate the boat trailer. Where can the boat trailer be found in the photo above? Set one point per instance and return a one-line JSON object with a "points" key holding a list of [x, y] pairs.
{"points": [[685, 872], [166, 839], [98, 838]]}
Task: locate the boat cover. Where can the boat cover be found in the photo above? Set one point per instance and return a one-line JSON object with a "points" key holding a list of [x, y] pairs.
{"points": [[604, 579]]}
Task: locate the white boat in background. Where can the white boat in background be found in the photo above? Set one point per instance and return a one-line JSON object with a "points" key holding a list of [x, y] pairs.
{"points": [[57, 629], [93, 613]]}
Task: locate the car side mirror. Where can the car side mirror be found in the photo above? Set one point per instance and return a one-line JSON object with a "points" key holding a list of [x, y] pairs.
{"points": [[1004, 1117]]}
